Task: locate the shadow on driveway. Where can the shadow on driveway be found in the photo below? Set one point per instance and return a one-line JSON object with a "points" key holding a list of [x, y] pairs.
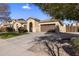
{"points": [[59, 37]]}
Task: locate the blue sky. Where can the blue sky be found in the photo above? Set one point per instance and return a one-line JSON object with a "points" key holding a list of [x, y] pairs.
{"points": [[25, 10]]}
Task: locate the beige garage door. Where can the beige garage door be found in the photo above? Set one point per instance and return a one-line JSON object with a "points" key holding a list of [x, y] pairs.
{"points": [[47, 27]]}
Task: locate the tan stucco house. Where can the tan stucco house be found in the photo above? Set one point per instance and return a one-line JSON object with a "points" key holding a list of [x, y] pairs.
{"points": [[36, 25]]}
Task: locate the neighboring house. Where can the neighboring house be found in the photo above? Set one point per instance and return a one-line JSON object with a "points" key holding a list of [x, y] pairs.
{"points": [[14, 23], [36, 25], [4, 25], [18, 23]]}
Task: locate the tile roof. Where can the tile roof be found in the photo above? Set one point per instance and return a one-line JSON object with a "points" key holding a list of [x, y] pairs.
{"points": [[33, 19]]}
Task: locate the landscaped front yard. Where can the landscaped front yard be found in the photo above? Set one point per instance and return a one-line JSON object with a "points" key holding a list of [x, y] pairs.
{"points": [[9, 32], [9, 35]]}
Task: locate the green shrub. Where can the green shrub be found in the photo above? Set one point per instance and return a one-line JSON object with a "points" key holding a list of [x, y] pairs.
{"points": [[22, 30], [9, 29], [75, 45]]}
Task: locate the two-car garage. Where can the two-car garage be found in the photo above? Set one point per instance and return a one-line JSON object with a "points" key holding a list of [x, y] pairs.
{"points": [[47, 27]]}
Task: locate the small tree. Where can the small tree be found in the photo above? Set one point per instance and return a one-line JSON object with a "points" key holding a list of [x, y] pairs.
{"points": [[69, 11], [9, 29], [22, 30], [4, 12]]}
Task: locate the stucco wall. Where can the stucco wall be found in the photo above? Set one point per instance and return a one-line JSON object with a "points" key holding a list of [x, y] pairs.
{"points": [[35, 25], [61, 27]]}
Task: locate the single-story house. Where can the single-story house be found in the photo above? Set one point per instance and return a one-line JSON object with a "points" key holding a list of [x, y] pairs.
{"points": [[36, 25]]}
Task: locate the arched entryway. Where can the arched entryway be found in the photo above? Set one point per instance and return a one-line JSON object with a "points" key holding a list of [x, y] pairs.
{"points": [[30, 27]]}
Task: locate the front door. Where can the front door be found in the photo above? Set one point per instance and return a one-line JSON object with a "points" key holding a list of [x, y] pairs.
{"points": [[30, 27]]}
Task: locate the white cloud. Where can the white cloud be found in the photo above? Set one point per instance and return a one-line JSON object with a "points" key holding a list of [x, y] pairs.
{"points": [[26, 6]]}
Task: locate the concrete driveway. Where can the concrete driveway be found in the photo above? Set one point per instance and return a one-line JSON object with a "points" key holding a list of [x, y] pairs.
{"points": [[18, 45]]}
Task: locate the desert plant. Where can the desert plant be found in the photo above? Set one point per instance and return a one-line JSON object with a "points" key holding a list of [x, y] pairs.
{"points": [[75, 45]]}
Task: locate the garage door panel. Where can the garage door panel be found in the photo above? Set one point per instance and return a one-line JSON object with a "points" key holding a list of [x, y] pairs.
{"points": [[47, 27]]}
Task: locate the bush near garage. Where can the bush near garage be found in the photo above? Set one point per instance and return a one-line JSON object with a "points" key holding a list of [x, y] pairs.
{"points": [[22, 30]]}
